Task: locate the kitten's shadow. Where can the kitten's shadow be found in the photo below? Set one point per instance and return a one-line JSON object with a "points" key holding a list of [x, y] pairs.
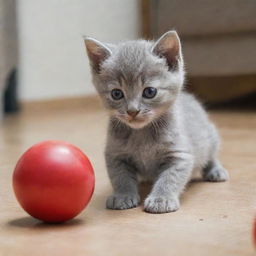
{"points": [[193, 182], [145, 187], [144, 191]]}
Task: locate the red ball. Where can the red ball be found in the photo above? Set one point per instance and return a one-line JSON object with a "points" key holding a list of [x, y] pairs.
{"points": [[53, 181], [254, 232]]}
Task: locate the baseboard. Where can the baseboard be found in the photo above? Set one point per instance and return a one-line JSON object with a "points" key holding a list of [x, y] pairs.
{"points": [[91, 102]]}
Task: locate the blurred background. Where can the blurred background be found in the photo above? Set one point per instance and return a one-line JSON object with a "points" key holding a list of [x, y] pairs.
{"points": [[42, 55]]}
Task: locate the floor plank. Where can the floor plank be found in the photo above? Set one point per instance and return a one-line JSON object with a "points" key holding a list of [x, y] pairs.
{"points": [[214, 219]]}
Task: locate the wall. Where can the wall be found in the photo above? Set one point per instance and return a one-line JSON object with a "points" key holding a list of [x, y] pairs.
{"points": [[53, 63]]}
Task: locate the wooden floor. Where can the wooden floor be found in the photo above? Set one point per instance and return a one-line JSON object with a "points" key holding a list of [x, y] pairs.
{"points": [[214, 219]]}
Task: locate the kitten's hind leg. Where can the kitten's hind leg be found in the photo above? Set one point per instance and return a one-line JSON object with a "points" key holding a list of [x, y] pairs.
{"points": [[214, 172]]}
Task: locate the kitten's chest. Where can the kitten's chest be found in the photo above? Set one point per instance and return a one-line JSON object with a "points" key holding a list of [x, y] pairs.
{"points": [[146, 150]]}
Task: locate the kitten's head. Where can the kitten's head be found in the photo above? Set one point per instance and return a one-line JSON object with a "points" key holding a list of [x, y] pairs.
{"points": [[137, 80]]}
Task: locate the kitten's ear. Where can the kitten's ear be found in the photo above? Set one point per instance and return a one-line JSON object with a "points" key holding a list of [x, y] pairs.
{"points": [[169, 47], [97, 52]]}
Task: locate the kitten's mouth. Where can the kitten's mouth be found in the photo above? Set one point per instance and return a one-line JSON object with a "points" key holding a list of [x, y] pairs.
{"points": [[137, 122]]}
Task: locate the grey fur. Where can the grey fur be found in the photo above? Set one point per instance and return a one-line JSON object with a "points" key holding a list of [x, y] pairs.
{"points": [[171, 136]]}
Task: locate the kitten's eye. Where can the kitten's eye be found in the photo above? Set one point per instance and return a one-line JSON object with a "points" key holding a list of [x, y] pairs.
{"points": [[117, 94], [149, 92]]}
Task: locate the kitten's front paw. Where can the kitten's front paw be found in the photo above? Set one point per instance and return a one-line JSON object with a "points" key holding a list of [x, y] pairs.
{"points": [[154, 204], [122, 201]]}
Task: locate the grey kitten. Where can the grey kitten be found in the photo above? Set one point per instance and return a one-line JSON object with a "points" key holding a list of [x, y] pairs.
{"points": [[157, 131]]}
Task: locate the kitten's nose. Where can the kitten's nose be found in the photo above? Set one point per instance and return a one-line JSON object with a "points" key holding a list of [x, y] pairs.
{"points": [[132, 113]]}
